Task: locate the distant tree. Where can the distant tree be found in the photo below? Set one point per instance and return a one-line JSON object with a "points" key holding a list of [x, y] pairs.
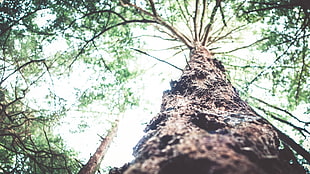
{"points": [[28, 143]]}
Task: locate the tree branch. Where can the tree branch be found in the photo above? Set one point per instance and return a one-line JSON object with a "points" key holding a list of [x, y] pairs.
{"points": [[157, 58], [185, 19], [95, 160], [268, 67], [300, 76], [195, 21], [153, 7], [180, 35], [96, 12], [287, 6], [298, 148], [299, 129], [17, 21], [216, 39], [105, 30], [280, 109], [21, 67], [204, 9], [211, 21], [159, 20], [289, 141], [239, 48], [223, 16]]}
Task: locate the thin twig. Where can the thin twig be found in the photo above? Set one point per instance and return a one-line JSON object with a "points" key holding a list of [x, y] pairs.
{"points": [[105, 30], [239, 48], [157, 58], [299, 129], [270, 66], [280, 109]]}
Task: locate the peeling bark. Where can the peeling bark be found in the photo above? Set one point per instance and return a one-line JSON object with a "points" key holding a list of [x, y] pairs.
{"points": [[205, 128]]}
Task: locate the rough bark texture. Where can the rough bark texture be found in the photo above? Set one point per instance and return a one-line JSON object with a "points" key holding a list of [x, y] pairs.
{"points": [[205, 128]]}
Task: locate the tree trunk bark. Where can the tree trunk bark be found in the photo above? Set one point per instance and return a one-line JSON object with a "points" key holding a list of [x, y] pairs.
{"points": [[205, 128]]}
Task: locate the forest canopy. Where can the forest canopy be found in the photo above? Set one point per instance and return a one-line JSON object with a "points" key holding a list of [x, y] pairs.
{"points": [[64, 58]]}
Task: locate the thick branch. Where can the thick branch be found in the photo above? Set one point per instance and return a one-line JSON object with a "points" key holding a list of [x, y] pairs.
{"points": [[153, 7], [180, 35], [289, 141], [159, 20], [21, 67], [223, 16], [195, 20], [204, 9], [212, 18]]}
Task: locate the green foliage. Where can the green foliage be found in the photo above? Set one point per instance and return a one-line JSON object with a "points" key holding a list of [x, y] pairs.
{"points": [[26, 143], [33, 65], [286, 25]]}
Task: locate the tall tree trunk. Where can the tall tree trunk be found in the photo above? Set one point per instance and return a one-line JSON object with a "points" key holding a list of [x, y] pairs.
{"points": [[205, 128]]}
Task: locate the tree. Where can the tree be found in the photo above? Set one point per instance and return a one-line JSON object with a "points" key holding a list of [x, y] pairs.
{"points": [[203, 125], [28, 143], [202, 121], [94, 162]]}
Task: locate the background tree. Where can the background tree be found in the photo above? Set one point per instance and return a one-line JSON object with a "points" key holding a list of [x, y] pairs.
{"points": [[32, 70]]}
